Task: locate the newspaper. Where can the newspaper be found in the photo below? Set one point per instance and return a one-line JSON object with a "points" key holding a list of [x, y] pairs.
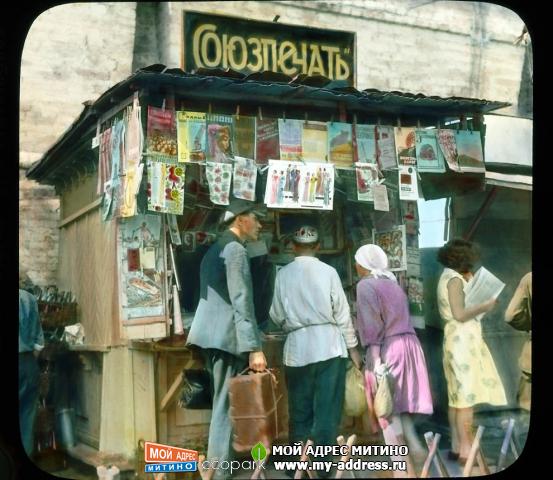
{"points": [[483, 286]]}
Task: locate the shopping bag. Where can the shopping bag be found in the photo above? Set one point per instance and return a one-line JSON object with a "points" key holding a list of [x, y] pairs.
{"points": [[355, 403]]}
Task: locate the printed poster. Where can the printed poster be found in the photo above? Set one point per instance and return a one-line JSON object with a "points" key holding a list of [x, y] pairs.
{"points": [[141, 261], [415, 295], [290, 132], [191, 136], [429, 154], [340, 144], [314, 141], [220, 138], [366, 175], [244, 178], [299, 185], [219, 176], [380, 198], [408, 184], [365, 141], [266, 141], [405, 145], [470, 157], [386, 148], [392, 241]]}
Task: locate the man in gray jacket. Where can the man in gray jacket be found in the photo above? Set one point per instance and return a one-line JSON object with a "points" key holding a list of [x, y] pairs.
{"points": [[224, 325]]}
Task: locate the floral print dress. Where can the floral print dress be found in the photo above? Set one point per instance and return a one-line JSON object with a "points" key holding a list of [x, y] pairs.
{"points": [[469, 368]]}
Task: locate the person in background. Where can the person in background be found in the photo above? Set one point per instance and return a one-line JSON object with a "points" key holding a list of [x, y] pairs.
{"points": [[519, 316], [31, 342], [469, 368], [224, 326], [310, 305], [386, 331]]}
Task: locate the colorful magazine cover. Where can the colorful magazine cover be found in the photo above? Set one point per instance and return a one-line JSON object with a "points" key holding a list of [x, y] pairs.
{"points": [[165, 187], [386, 148], [340, 144], [314, 141], [289, 132], [470, 156], [266, 141], [446, 141], [191, 135], [365, 143], [299, 185], [405, 145], [392, 241], [244, 136], [220, 138], [410, 214], [161, 134], [429, 154]]}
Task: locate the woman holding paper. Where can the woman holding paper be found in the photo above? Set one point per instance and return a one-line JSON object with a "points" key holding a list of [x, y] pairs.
{"points": [[469, 368]]}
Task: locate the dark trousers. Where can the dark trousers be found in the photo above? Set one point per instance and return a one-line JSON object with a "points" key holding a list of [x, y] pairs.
{"points": [[221, 367], [315, 401], [28, 399]]}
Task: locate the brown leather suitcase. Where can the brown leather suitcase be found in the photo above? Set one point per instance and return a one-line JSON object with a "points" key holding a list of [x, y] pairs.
{"points": [[254, 399]]}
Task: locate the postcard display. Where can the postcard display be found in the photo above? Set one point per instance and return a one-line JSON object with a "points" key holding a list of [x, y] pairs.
{"points": [[300, 162]]}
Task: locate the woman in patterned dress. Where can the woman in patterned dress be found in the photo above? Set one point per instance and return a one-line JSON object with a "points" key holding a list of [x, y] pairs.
{"points": [[469, 368]]}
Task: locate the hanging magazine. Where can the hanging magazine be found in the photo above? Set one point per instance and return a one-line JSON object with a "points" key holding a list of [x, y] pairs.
{"points": [[366, 175], [244, 136], [446, 140], [165, 190], [386, 148], [392, 241], [470, 157], [365, 142], [408, 184], [405, 145], [314, 141], [289, 132], [220, 139], [192, 137], [266, 141], [218, 179], [410, 214], [244, 178], [340, 144], [161, 134], [429, 154], [299, 185]]}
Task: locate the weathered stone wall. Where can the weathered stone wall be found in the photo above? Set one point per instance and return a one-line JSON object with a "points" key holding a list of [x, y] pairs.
{"points": [[75, 52], [72, 53]]}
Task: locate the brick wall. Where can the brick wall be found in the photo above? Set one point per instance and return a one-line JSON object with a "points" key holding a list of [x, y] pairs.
{"points": [[75, 52]]}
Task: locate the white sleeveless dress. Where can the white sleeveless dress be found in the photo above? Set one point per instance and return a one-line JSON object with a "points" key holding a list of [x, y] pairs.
{"points": [[469, 368]]}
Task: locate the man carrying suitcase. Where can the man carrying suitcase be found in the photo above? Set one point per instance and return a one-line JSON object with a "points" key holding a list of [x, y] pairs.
{"points": [[224, 325], [309, 304]]}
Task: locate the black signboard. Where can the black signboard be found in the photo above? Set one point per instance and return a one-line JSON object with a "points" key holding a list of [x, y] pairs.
{"points": [[215, 41]]}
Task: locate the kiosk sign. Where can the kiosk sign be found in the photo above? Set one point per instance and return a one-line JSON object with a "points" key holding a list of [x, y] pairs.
{"points": [[215, 41]]}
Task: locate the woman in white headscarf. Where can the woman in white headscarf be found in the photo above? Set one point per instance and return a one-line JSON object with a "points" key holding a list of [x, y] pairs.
{"points": [[386, 331]]}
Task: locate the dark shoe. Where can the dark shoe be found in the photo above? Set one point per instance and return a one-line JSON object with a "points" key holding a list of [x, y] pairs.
{"points": [[451, 455]]}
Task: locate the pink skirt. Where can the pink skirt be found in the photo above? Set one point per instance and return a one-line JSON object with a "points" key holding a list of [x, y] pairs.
{"points": [[404, 356]]}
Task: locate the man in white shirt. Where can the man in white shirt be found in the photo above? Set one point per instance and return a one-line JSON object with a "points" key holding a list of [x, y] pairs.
{"points": [[309, 304]]}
